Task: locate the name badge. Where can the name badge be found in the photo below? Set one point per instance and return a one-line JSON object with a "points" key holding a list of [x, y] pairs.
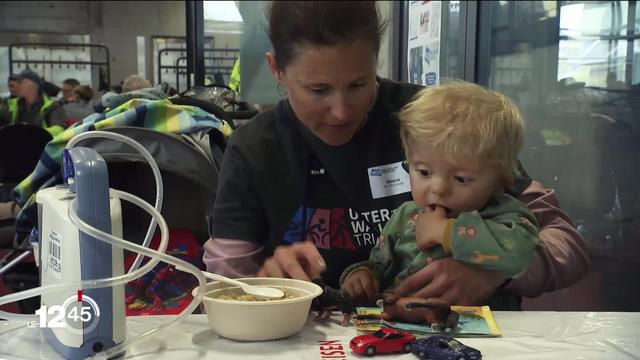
{"points": [[388, 180]]}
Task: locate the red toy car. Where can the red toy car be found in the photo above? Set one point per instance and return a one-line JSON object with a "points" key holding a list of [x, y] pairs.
{"points": [[382, 341]]}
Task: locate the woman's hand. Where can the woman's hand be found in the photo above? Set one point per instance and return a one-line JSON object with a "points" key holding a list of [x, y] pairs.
{"points": [[297, 261], [451, 281]]}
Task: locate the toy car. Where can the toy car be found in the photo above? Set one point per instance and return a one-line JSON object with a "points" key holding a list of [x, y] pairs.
{"points": [[385, 340], [440, 347]]}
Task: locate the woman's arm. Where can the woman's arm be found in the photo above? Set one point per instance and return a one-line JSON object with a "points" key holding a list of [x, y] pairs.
{"points": [[237, 224], [240, 258], [232, 258], [562, 256]]}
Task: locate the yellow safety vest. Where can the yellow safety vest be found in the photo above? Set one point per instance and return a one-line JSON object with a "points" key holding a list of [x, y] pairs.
{"points": [[46, 103], [234, 81]]}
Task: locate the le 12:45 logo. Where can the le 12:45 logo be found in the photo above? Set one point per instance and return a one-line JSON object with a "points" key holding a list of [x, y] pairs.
{"points": [[77, 314]]}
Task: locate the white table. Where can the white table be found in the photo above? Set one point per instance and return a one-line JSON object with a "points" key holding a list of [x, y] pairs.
{"points": [[526, 335]]}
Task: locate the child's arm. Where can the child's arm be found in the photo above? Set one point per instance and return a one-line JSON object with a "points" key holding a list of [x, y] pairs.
{"points": [[377, 268], [501, 238], [361, 284]]}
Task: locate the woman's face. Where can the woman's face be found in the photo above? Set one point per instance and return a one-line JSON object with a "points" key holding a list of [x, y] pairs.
{"points": [[331, 88]]}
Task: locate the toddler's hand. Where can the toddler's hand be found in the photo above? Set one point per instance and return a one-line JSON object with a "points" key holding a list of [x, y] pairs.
{"points": [[361, 286], [430, 227]]}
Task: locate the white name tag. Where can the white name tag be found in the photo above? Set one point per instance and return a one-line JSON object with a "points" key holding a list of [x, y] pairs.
{"points": [[388, 180]]}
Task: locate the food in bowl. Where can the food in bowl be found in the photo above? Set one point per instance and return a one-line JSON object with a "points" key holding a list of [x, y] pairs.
{"points": [[247, 297], [259, 320]]}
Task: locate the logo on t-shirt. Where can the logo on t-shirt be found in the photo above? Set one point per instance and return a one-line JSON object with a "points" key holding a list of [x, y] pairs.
{"points": [[336, 228]]}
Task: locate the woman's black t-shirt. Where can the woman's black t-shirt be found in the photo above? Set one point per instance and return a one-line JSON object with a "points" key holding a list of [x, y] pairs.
{"points": [[281, 184]]}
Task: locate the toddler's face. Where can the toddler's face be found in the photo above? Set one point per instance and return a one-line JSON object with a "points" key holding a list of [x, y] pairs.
{"points": [[458, 186]]}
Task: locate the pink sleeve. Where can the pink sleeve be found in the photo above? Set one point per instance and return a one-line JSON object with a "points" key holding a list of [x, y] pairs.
{"points": [[232, 258], [562, 256]]}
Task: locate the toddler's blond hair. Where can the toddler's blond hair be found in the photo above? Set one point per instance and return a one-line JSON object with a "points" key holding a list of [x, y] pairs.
{"points": [[466, 121]]}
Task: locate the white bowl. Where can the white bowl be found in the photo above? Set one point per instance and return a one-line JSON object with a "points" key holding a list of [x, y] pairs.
{"points": [[259, 320]]}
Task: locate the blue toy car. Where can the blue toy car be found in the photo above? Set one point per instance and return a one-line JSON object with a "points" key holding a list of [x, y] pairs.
{"points": [[439, 347]]}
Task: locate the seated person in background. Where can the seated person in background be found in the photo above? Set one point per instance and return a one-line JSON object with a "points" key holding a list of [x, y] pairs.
{"points": [[117, 88], [12, 85], [67, 90], [461, 143], [79, 105], [118, 96], [33, 106], [50, 89], [135, 82], [83, 94]]}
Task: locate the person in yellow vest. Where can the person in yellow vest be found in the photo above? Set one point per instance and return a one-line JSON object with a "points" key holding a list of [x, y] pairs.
{"points": [[12, 84], [32, 106], [234, 82]]}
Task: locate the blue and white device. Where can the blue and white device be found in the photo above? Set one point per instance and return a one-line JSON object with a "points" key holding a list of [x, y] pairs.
{"points": [[81, 323]]}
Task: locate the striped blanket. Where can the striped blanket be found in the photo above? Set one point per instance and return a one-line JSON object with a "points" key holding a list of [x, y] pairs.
{"points": [[159, 115]]}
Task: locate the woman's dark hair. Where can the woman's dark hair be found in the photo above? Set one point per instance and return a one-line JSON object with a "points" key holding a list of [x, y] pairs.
{"points": [[325, 23], [84, 92]]}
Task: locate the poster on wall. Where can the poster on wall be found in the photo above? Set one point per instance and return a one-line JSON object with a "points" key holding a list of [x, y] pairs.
{"points": [[424, 42]]}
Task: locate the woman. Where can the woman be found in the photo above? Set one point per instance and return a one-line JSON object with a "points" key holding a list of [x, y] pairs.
{"points": [[306, 186], [79, 105]]}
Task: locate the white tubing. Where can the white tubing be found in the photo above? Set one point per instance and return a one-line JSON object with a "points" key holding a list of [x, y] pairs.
{"points": [[97, 283], [156, 256], [86, 228], [13, 262], [100, 282], [154, 168], [134, 272]]}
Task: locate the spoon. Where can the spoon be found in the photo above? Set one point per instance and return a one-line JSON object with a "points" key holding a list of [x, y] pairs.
{"points": [[257, 291]]}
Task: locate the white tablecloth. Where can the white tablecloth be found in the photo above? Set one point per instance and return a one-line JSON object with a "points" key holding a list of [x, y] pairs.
{"points": [[526, 335]]}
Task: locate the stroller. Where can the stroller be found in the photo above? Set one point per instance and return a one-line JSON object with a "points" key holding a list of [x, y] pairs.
{"points": [[189, 164], [189, 170], [20, 148], [220, 101], [189, 173]]}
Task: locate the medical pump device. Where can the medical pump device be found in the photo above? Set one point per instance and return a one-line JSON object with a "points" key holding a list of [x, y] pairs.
{"points": [[80, 254]]}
